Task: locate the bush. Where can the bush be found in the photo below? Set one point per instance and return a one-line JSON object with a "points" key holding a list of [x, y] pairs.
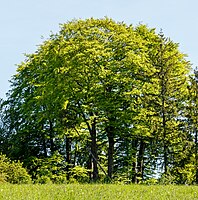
{"points": [[43, 180], [12, 172], [48, 170], [79, 174]]}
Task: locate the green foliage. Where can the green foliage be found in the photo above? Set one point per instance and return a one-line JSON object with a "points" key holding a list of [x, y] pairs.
{"points": [[111, 99], [13, 172], [48, 170], [151, 181], [185, 175], [79, 174], [167, 179], [179, 175]]}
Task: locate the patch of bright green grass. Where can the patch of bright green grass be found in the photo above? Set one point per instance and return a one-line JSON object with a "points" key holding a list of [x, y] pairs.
{"points": [[97, 192]]}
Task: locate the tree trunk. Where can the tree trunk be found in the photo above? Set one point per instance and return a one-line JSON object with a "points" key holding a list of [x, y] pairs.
{"points": [[52, 148], [44, 147], [134, 163], [89, 166], [140, 162], [164, 135], [111, 142], [44, 143], [134, 175], [68, 156], [163, 113], [94, 150]]}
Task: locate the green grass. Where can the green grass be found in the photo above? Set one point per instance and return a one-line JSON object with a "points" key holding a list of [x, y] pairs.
{"points": [[97, 192]]}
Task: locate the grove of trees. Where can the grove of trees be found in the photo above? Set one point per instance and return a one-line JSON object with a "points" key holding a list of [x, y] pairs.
{"points": [[103, 101]]}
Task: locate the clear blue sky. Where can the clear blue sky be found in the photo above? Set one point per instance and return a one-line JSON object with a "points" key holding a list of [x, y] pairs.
{"points": [[23, 22]]}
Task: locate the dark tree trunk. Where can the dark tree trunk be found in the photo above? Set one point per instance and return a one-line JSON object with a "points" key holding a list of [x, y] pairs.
{"points": [[44, 148], [89, 166], [134, 163], [140, 161], [68, 155], [94, 150], [51, 132], [134, 174], [44, 143], [110, 134]]}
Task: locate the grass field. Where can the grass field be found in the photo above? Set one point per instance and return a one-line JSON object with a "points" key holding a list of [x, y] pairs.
{"points": [[97, 192]]}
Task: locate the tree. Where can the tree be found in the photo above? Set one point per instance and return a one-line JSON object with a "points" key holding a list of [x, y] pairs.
{"points": [[191, 121], [103, 95], [86, 69], [163, 97]]}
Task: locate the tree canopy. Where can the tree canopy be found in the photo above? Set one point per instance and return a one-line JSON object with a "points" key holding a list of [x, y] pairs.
{"points": [[109, 101]]}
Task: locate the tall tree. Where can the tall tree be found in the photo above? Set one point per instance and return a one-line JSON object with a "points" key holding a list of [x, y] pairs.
{"points": [[85, 71], [172, 77], [192, 120], [104, 95]]}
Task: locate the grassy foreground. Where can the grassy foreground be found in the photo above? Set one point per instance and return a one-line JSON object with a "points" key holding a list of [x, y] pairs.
{"points": [[96, 192]]}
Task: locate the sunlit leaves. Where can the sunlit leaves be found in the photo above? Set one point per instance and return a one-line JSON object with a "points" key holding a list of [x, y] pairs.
{"points": [[95, 82]]}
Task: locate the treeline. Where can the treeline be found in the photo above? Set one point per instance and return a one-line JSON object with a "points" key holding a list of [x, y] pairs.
{"points": [[102, 101]]}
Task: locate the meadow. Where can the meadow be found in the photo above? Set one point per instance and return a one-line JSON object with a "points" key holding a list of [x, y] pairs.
{"points": [[97, 192]]}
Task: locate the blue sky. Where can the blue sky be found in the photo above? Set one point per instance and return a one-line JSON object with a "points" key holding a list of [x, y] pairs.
{"points": [[23, 22]]}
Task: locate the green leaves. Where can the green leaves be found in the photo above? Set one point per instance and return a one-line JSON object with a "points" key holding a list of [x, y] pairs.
{"points": [[103, 89], [12, 172]]}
